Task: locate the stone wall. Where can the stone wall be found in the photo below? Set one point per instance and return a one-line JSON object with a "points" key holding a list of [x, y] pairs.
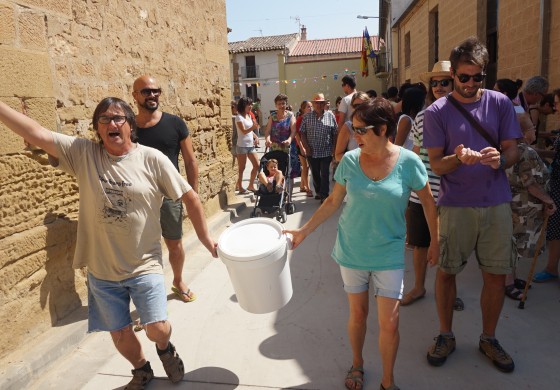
{"points": [[58, 58]]}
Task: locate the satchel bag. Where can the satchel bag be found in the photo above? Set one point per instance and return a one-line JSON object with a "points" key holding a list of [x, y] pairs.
{"points": [[473, 122]]}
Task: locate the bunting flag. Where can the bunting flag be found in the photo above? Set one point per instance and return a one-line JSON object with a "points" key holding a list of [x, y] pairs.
{"points": [[363, 61]]}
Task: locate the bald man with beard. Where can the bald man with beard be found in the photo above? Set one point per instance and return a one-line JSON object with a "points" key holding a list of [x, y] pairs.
{"points": [[169, 134]]}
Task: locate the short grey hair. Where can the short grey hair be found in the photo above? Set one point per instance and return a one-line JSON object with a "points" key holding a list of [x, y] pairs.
{"points": [[536, 85]]}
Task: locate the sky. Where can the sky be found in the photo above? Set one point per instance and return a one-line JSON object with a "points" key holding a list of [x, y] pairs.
{"points": [[323, 18]]}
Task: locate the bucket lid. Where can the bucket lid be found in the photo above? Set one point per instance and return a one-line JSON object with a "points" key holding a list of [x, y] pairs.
{"points": [[251, 239]]}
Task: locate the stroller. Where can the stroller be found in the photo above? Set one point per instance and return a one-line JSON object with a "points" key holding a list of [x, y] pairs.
{"points": [[278, 203]]}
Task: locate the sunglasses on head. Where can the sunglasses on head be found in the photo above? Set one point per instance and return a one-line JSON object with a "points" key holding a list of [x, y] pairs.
{"points": [[150, 91], [443, 83], [363, 130], [464, 78]]}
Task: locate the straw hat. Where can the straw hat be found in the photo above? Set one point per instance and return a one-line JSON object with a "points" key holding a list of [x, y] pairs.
{"points": [[318, 97], [441, 68]]}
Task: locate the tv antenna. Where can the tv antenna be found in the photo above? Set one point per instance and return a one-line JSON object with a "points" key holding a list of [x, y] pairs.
{"points": [[259, 30], [298, 21]]}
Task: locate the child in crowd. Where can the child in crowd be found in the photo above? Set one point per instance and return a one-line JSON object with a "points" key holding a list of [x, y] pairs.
{"points": [[274, 182]]}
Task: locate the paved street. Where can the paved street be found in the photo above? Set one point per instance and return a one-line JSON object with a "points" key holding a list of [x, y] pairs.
{"points": [[304, 345]]}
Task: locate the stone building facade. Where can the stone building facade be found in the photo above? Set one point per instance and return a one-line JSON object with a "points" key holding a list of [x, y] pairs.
{"points": [[58, 59], [523, 37]]}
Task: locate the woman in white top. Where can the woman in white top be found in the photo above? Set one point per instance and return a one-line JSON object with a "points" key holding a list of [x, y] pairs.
{"points": [[245, 144], [345, 140]]}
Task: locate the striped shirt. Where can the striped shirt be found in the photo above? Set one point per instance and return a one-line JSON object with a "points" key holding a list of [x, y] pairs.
{"points": [[417, 133]]}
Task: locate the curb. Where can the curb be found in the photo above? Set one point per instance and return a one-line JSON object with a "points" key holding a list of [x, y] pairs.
{"points": [[23, 367]]}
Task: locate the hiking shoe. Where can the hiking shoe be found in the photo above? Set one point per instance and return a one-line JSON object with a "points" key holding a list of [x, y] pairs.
{"points": [[437, 354], [496, 353], [173, 365], [140, 378]]}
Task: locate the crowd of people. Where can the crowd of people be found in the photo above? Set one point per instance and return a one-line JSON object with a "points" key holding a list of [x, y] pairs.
{"points": [[444, 166], [481, 154]]}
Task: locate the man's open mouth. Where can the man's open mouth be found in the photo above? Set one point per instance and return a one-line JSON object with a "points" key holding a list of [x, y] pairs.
{"points": [[114, 134]]}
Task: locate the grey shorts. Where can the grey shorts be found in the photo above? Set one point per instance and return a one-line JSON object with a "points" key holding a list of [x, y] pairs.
{"points": [[485, 230], [171, 219], [388, 284]]}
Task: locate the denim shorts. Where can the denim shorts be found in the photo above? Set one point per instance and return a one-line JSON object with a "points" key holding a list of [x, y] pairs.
{"points": [[109, 302], [171, 219], [245, 149], [388, 284]]}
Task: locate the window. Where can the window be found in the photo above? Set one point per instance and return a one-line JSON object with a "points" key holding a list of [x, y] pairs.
{"points": [[433, 26], [407, 49], [250, 68]]}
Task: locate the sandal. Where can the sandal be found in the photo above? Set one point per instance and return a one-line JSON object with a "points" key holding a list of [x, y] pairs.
{"points": [[354, 381], [309, 194], [520, 284], [514, 293], [544, 276], [459, 305]]}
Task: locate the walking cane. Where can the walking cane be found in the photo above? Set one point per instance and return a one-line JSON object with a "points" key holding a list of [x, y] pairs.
{"points": [[535, 257]]}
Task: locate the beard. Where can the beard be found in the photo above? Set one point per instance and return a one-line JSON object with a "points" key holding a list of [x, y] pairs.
{"points": [[150, 105], [467, 94]]}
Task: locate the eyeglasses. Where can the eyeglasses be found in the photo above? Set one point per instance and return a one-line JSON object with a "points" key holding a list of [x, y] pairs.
{"points": [[117, 119], [443, 83], [464, 78], [150, 91], [363, 130]]}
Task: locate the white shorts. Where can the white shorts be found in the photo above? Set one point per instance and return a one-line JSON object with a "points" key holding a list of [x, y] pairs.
{"points": [[389, 284]]}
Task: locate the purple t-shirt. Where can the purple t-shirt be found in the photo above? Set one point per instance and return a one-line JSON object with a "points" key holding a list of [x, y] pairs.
{"points": [[445, 127]]}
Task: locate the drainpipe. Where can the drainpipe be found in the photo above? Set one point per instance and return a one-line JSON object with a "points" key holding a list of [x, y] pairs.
{"points": [[543, 55]]}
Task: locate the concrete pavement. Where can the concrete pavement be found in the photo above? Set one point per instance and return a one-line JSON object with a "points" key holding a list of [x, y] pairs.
{"points": [[304, 345]]}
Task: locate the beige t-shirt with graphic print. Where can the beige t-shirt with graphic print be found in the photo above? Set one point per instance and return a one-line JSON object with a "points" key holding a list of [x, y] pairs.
{"points": [[120, 198]]}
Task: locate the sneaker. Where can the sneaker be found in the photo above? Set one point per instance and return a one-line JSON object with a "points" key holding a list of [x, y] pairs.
{"points": [[496, 353], [437, 354], [173, 365], [140, 378]]}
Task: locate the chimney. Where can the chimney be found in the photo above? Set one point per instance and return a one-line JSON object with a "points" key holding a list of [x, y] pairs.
{"points": [[303, 33]]}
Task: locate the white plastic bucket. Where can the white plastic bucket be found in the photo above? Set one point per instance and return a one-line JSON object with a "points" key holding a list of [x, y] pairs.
{"points": [[255, 253]]}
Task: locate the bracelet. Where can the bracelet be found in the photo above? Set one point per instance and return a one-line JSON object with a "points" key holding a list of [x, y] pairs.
{"points": [[458, 159], [502, 162]]}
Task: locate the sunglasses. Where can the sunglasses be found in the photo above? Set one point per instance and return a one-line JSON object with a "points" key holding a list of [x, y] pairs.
{"points": [[118, 119], [443, 83], [363, 130], [464, 78], [150, 91]]}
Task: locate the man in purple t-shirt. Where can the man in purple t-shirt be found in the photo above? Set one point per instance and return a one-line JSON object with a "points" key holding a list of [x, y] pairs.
{"points": [[474, 198]]}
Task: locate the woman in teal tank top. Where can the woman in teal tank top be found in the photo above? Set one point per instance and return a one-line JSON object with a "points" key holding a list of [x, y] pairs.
{"points": [[377, 179]]}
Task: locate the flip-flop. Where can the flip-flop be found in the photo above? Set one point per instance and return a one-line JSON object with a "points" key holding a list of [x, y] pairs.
{"points": [[186, 297], [310, 194], [243, 191]]}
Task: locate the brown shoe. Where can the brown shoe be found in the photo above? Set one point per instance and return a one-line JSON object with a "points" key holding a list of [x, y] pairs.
{"points": [[443, 347], [173, 365], [140, 378], [496, 353]]}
